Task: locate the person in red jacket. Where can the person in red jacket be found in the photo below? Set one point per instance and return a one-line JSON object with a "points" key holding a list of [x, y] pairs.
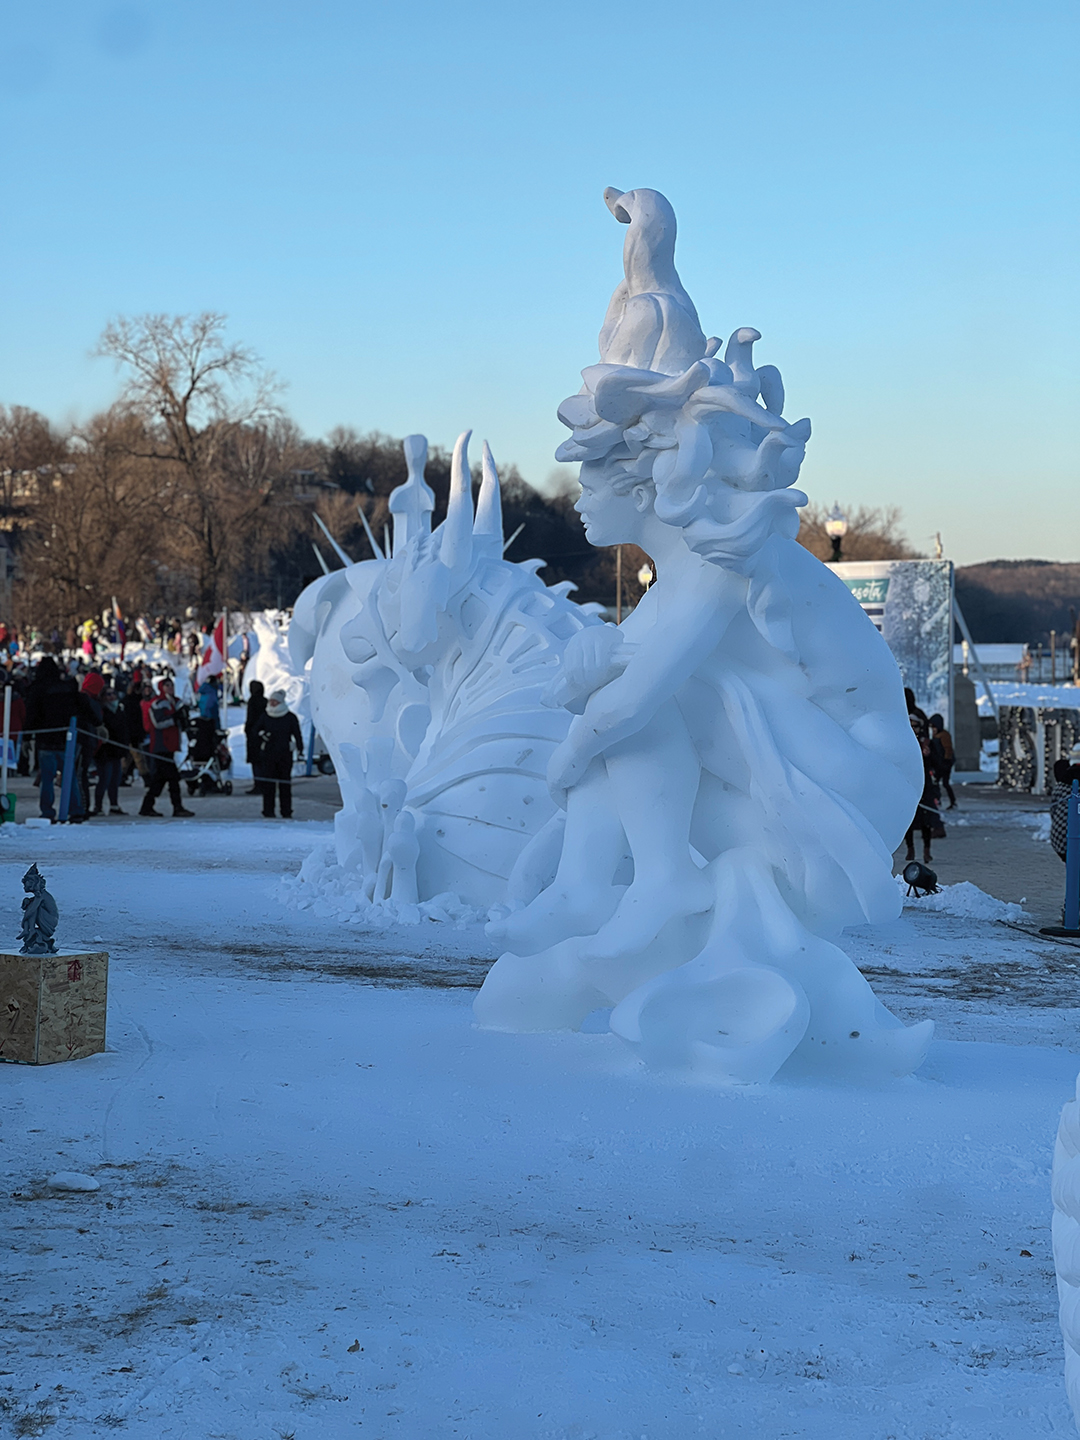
{"points": [[164, 730]]}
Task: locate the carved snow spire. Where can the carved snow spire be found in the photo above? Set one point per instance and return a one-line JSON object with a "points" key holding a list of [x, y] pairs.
{"points": [[488, 525], [764, 381], [651, 322], [412, 502], [455, 545]]}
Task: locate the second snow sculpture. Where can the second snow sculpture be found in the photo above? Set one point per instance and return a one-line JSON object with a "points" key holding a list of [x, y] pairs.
{"points": [[740, 764], [428, 670]]}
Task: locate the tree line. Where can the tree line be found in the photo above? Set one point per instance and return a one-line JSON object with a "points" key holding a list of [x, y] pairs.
{"points": [[195, 489]]}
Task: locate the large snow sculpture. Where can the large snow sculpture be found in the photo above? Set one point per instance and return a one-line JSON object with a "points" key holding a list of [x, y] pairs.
{"points": [[271, 662], [428, 668], [1066, 1235], [740, 765]]}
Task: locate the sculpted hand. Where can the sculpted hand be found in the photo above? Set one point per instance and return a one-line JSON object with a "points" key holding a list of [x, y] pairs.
{"points": [[592, 658]]}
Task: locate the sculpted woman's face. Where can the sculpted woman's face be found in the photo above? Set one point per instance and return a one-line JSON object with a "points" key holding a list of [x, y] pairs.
{"points": [[611, 519]]}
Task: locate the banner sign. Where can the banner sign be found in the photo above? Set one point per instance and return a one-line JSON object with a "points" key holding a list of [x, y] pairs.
{"points": [[910, 602]]}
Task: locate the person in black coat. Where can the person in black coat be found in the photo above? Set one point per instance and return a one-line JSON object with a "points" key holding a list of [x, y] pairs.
{"points": [[112, 752], [256, 709], [52, 701], [278, 736], [927, 818]]}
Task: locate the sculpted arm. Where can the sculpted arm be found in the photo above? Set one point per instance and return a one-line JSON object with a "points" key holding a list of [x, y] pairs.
{"points": [[662, 660]]}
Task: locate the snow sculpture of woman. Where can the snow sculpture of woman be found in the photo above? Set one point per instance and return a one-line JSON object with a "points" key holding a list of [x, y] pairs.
{"points": [[740, 765]]}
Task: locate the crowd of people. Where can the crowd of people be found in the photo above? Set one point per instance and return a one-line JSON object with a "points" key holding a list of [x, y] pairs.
{"points": [[129, 726], [87, 640]]}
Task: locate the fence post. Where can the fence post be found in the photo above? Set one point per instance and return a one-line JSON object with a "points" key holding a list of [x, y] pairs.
{"points": [[310, 750], [69, 770], [1072, 861]]}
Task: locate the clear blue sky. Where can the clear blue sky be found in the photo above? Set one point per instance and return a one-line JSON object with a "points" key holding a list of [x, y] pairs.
{"points": [[399, 207]]}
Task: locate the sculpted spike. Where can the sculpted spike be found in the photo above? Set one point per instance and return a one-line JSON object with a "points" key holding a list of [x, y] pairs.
{"points": [[370, 535], [338, 551], [489, 522], [455, 544]]}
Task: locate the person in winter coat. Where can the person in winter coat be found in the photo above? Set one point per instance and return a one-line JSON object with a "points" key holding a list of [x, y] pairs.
{"points": [[164, 747], [18, 718], [132, 708], [912, 706], [1065, 772], [51, 703], [91, 728], [941, 747], [256, 709], [112, 752], [207, 722], [926, 817], [279, 735]]}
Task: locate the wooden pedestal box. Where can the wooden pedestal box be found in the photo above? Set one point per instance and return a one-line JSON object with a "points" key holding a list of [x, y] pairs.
{"points": [[52, 1007]]}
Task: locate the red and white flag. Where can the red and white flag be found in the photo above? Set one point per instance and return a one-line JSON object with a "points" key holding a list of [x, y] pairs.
{"points": [[213, 657]]}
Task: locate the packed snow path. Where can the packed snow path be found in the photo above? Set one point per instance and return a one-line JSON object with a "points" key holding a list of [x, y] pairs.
{"points": [[329, 1207]]}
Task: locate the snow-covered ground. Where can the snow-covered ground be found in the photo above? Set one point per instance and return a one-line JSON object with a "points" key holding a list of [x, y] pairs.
{"points": [[330, 1207]]}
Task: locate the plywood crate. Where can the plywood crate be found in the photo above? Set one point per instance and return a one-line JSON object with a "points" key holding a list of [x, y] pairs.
{"points": [[52, 1007]]}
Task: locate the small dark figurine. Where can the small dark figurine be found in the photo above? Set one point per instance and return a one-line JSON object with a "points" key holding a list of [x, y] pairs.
{"points": [[40, 916]]}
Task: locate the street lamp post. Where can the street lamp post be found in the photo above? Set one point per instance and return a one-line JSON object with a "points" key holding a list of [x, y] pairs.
{"points": [[836, 527]]}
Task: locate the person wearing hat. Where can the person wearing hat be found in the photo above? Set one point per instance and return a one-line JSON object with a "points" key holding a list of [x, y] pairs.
{"points": [[279, 735], [164, 746]]}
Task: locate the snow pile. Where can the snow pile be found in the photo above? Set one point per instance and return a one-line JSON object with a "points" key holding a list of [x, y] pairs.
{"points": [[1040, 828], [331, 892], [237, 743], [966, 901]]}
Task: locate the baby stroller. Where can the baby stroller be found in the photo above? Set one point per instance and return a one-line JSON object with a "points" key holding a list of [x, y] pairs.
{"points": [[208, 759]]}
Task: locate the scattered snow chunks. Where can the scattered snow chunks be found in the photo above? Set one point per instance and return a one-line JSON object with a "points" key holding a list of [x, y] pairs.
{"points": [[72, 1180], [1040, 829], [966, 901], [331, 892]]}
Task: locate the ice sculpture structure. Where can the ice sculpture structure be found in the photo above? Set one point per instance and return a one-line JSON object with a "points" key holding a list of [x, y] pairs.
{"points": [[1066, 1236], [428, 668], [272, 665], [739, 766]]}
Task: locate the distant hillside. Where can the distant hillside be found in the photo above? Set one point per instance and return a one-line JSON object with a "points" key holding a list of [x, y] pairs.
{"points": [[1019, 599]]}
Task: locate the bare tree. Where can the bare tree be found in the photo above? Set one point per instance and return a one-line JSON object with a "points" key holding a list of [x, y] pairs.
{"points": [[29, 446], [90, 515], [198, 398], [873, 534]]}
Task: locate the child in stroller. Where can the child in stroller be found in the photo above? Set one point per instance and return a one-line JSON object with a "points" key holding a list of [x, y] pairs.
{"points": [[208, 757]]}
